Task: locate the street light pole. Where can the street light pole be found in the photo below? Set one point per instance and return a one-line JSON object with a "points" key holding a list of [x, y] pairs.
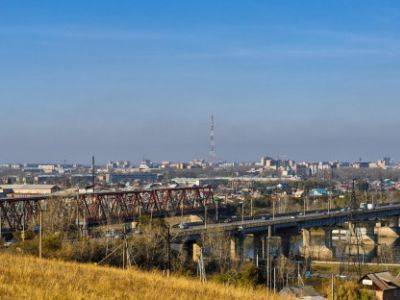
{"points": [[205, 215], [273, 209], [242, 211], [329, 202], [305, 205]]}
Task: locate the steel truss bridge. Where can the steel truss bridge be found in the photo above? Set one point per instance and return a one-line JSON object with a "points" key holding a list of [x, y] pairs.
{"points": [[104, 207]]}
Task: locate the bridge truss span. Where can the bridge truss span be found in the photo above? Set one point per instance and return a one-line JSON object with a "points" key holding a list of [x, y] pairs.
{"points": [[103, 207], [127, 205]]}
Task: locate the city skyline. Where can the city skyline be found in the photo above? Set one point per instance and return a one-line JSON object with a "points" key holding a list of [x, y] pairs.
{"points": [[311, 81]]}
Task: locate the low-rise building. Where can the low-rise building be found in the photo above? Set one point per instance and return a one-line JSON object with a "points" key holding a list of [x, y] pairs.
{"points": [[301, 293], [385, 285]]}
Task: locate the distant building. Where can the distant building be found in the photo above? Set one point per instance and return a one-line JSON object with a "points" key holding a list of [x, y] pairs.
{"points": [[344, 164], [146, 164], [227, 165], [387, 160], [361, 165], [10, 179], [268, 162], [79, 179], [128, 177], [165, 164], [47, 168], [298, 193], [49, 179], [179, 166], [303, 171], [120, 164], [318, 192], [198, 181]]}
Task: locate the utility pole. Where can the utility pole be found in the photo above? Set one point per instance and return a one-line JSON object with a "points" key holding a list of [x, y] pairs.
{"points": [[23, 222], [1, 232], [330, 191], [181, 210], [216, 210], [93, 173], [268, 257], [168, 251], [205, 215], [251, 207], [40, 231], [257, 260], [77, 213], [123, 255], [333, 286]]}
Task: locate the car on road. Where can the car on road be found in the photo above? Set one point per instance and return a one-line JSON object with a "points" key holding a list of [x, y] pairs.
{"points": [[231, 219], [183, 226]]}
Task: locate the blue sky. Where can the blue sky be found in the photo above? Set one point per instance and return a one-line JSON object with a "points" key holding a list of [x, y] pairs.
{"points": [[310, 80]]}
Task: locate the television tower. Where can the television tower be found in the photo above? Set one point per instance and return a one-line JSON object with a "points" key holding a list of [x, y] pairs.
{"points": [[213, 155]]}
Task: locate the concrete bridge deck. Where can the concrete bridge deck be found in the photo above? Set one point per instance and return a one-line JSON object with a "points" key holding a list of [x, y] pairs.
{"points": [[295, 221]]}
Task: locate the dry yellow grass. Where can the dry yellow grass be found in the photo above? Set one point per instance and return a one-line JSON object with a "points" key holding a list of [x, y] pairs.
{"points": [[32, 278]]}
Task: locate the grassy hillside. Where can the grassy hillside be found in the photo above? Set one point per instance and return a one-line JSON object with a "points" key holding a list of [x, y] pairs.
{"points": [[30, 277]]}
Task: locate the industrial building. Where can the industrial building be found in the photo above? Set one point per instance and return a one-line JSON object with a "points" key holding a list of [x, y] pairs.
{"points": [[29, 189]]}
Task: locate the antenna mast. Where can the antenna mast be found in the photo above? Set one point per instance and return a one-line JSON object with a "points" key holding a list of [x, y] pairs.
{"points": [[213, 155]]}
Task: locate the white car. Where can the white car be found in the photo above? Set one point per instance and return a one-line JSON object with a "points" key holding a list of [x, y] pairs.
{"points": [[183, 226]]}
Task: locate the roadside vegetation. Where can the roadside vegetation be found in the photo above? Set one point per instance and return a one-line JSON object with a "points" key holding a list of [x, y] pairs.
{"points": [[147, 251]]}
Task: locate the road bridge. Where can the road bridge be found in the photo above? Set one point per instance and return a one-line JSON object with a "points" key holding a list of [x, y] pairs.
{"points": [[284, 226], [296, 222]]}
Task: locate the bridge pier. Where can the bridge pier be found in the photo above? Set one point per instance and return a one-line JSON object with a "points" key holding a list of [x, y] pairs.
{"points": [[186, 252], [259, 243], [237, 248], [328, 237], [394, 222], [190, 252], [371, 232], [285, 243], [196, 252], [306, 234]]}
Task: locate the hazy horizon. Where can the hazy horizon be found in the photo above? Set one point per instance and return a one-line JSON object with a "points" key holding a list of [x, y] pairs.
{"points": [[127, 80]]}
